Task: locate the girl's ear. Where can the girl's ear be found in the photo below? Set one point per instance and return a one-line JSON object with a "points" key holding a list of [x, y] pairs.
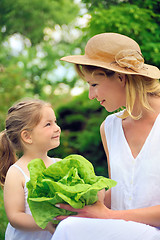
{"points": [[26, 136]]}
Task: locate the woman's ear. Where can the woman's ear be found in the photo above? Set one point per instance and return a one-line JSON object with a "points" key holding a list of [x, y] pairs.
{"points": [[122, 78], [26, 136]]}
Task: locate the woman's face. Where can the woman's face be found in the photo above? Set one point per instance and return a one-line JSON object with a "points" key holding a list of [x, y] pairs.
{"points": [[109, 91]]}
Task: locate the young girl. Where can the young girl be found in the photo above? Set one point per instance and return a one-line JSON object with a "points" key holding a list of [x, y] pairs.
{"points": [[114, 68], [31, 128]]}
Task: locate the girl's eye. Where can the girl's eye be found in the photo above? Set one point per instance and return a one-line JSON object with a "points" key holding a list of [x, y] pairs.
{"points": [[48, 124], [93, 85], [55, 122]]}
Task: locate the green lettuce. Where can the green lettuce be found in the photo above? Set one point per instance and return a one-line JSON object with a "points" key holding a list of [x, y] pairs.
{"points": [[71, 180]]}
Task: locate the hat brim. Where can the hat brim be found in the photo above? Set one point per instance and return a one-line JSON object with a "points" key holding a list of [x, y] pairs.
{"points": [[147, 70]]}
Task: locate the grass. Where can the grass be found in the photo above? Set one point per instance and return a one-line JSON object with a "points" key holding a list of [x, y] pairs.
{"points": [[3, 217]]}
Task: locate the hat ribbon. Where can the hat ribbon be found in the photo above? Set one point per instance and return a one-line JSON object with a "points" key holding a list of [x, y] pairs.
{"points": [[130, 58]]}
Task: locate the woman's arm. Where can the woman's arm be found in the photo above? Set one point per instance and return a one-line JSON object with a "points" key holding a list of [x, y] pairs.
{"points": [[104, 142], [107, 200], [15, 203], [149, 215]]}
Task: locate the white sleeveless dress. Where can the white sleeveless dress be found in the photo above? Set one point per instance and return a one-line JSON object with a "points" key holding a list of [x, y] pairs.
{"points": [[138, 181], [16, 234]]}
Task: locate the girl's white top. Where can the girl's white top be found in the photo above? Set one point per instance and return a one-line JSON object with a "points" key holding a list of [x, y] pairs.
{"points": [[16, 234], [137, 178]]}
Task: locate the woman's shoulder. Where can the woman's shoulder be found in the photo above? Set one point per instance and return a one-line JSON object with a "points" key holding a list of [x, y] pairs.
{"points": [[109, 119], [114, 117], [111, 122]]}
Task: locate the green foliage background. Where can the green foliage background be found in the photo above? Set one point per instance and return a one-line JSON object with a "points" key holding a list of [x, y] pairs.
{"points": [[3, 217], [80, 121], [34, 70]]}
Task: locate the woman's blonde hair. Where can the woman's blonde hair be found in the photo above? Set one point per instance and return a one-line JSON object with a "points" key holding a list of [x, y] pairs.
{"points": [[136, 85], [24, 115]]}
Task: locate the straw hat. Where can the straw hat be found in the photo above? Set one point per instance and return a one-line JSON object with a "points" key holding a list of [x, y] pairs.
{"points": [[115, 52]]}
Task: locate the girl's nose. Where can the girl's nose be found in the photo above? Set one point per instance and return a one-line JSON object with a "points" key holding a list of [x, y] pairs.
{"points": [[58, 129]]}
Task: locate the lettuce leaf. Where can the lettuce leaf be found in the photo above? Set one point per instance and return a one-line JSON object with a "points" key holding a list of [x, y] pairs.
{"points": [[71, 180]]}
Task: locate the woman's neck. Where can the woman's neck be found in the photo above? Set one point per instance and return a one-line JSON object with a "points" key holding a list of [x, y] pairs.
{"points": [[154, 103]]}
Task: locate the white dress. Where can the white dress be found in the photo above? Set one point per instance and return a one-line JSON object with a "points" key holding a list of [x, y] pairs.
{"points": [[16, 234], [138, 182]]}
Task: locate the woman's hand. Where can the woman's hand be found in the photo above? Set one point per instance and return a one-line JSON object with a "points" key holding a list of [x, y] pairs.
{"points": [[101, 195], [51, 227], [97, 210]]}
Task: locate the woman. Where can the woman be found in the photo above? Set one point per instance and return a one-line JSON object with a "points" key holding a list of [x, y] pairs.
{"points": [[114, 68]]}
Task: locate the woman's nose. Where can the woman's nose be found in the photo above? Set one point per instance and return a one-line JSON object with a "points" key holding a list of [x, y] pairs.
{"points": [[91, 94]]}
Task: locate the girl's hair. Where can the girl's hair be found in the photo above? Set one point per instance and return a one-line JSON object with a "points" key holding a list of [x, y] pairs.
{"points": [[136, 85], [24, 115]]}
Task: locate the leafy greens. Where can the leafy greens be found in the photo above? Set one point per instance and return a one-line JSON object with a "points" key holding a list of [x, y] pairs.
{"points": [[71, 180]]}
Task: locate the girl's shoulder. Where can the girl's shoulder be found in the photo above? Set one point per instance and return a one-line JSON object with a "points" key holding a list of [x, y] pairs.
{"points": [[54, 160], [58, 159], [14, 176], [13, 169]]}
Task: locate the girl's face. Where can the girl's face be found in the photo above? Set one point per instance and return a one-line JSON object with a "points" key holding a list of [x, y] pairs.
{"points": [[109, 91], [46, 135]]}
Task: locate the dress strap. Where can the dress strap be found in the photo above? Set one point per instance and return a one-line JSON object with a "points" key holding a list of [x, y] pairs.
{"points": [[54, 160], [26, 177]]}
